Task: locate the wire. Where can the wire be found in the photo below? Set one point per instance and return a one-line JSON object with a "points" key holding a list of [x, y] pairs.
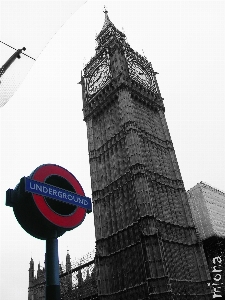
{"points": [[50, 38], [16, 49]]}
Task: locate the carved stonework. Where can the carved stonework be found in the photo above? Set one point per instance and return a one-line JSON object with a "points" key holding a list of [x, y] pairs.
{"points": [[146, 242]]}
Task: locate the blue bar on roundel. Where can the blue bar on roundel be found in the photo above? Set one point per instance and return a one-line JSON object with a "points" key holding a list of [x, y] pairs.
{"points": [[56, 193]]}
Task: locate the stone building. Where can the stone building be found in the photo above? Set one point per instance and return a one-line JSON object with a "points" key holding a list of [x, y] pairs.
{"points": [[208, 210], [36, 290], [77, 281], [146, 242]]}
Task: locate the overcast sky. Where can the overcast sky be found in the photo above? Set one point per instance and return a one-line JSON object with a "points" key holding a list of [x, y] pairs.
{"points": [[43, 121]]}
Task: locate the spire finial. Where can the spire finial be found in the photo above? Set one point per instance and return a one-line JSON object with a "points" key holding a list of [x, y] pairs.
{"points": [[105, 10], [107, 21]]}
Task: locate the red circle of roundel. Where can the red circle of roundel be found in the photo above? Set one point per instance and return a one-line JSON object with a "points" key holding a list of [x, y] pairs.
{"points": [[71, 221]]}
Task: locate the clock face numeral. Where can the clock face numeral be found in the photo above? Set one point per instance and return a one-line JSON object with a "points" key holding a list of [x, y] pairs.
{"points": [[98, 78]]}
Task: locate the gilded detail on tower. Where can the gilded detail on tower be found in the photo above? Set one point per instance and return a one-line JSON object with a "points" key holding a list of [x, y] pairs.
{"points": [[116, 60], [140, 69]]}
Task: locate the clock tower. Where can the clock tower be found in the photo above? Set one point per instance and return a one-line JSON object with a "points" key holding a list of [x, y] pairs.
{"points": [[146, 242]]}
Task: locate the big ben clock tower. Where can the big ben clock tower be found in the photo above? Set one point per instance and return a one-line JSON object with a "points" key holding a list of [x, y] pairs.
{"points": [[146, 243]]}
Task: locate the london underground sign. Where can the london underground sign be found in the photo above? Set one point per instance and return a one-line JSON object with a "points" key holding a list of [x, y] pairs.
{"points": [[53, 192], [50, 199], [48, 203]]}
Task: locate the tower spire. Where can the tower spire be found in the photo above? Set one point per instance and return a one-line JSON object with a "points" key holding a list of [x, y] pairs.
{"points": [[105, 10], [107, 20], [107, 32]]}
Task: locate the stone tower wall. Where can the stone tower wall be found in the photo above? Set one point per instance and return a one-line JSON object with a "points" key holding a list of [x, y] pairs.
{"points": [[146, 243], [140, 205]]}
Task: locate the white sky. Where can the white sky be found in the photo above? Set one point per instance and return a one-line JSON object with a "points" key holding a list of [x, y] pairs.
{"points": [[43, 121]]}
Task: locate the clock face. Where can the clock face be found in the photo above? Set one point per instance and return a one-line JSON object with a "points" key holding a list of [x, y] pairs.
{"points": [[141, 73], [141, 70], [98, 78]]}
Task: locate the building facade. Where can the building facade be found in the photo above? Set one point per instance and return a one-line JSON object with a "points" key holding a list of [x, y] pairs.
{"points": [[77, 280], [208, 210], [146, 242], [36, 290]]}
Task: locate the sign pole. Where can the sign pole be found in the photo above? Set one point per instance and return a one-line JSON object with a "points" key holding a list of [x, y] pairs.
{"points": [[48, 220], [52, 269]]}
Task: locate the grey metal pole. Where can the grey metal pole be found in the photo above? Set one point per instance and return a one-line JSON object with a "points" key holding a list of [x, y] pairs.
{"points": [[52, 269]]}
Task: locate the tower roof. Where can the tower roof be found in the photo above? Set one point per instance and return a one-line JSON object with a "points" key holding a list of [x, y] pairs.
{"points": [[107, 21], [108, 30], [107, 24]]}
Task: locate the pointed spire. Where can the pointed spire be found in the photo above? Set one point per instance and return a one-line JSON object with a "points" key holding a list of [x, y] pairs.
{"points": [[107, 20], [68, 262], [108, 30], [68, 257], [31, 270], [31, 262]]}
